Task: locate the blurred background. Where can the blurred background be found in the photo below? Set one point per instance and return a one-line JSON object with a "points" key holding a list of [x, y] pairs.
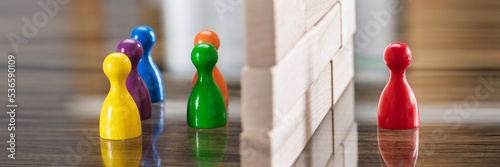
{"points": [[455, 45], [456, 55], [80, 34]]}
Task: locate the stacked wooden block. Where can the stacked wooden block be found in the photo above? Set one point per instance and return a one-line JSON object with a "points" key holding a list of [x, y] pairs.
{"points": [[335, 142], [299, 62]]}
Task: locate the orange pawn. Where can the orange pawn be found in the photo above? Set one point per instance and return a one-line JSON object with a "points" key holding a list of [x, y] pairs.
{"points": [[207, 36]]}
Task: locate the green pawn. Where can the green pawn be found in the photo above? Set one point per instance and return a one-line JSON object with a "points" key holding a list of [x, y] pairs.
{"points": [[206, 107]]}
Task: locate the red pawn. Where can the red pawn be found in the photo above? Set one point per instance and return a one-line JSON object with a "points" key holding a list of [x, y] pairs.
{"points": [[397, 107]]}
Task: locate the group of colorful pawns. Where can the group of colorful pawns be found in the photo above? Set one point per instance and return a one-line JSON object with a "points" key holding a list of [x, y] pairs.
{"points": [[136, 83]]}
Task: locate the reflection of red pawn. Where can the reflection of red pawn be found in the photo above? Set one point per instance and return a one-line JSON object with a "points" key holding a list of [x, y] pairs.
{"points": [[397, 107], [398, 147]]}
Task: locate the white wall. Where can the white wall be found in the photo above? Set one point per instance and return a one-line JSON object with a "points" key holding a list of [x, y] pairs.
{"points": [[185, 18], [376, 28]]}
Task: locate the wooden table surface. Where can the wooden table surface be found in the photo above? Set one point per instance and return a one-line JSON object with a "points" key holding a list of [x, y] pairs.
{"points": [[57, 125], [438, 145]]}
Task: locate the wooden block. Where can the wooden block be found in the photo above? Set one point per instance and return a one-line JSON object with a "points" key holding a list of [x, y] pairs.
{"points": [[351, 147], [343, 69], [289, 24], [343, 116], [256, 89], [274, 29], [320, 147], [290, 137], [294, 63], [294, 74], [316, 9], [348, 19], [274, 92], [259, 22]]}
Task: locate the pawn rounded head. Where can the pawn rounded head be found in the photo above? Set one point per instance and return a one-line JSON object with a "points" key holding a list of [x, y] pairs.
{"points": [[397, 55], [204, 56], [145, 35], [132, 49], [207, 36], [116, 66]]}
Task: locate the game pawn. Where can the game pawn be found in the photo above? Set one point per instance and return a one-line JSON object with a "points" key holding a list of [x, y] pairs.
{"points": [[120, 118], [206, 108], [135, 85], [397, 108], [210, 37], [147, 68]]}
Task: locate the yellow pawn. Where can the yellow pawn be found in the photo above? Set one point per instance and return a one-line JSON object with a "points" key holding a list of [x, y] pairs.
{"points": [[120, 118]]}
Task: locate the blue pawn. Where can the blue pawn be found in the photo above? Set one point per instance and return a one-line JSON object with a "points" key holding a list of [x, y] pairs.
{"points": [[147, 68]]}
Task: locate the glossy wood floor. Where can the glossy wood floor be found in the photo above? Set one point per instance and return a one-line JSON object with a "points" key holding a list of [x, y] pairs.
{"points": [[430, 145], [56, 126]]}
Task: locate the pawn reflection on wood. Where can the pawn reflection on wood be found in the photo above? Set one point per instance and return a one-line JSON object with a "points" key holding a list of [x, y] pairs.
{"points": [[398, 147], [208, 146], [121, 153]]}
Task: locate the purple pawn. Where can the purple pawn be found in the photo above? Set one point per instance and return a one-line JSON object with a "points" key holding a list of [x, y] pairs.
{"points": [[135, 85]]}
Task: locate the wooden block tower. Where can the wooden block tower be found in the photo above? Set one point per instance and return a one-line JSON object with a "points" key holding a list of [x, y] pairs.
{"points": [[299, 62]]}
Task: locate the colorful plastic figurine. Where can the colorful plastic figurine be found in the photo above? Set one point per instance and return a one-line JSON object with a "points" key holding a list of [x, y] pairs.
{"points": [[120, 118], [397, 107], [206, 108], [147, 67], [135, 85], [207, 36]]}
